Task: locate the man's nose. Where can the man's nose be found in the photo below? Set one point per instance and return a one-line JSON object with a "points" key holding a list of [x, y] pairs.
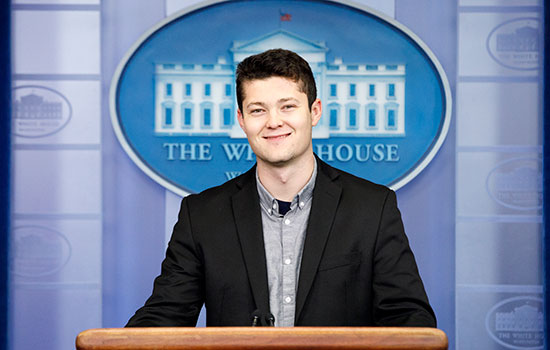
{"points": [[274, 119]]}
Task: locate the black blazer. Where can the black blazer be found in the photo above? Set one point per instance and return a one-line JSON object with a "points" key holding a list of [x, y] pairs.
{"points": [[357, 268]]}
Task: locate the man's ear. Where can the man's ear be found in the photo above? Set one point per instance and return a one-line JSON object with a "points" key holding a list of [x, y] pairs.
{"points": [[316, 112], [240, 118]]}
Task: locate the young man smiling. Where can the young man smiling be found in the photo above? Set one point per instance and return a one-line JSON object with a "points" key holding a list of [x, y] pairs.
{"points": [[293, 241], [277, 119]]}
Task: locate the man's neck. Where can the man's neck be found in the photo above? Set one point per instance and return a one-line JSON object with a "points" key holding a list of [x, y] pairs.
{"points": [[284, 183]]}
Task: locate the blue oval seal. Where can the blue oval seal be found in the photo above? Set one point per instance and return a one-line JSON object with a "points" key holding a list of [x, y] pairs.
{"points": [[38, 251], [517, 323], [516, 43], [517, 183], [387, 101], [39, 111]]}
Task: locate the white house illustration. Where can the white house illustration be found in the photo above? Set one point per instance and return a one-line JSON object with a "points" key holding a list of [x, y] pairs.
{"points": [[523, 39], [35, 107], [359, 99], [525, 318]]}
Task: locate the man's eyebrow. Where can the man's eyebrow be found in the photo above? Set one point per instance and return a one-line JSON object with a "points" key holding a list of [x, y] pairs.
{"points": [[254, 103], [263, 104], [286, 99]]}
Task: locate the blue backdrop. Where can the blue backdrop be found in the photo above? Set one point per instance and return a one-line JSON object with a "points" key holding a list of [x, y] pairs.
{"points": [[546, 172], [89, 228], [5, 156]]}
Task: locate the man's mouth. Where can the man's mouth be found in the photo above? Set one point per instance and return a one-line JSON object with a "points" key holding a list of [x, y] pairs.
{"points": [[276, 137]]}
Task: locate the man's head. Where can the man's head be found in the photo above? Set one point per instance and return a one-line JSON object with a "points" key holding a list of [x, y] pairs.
{"points": [[276, 63], [277, 107]]}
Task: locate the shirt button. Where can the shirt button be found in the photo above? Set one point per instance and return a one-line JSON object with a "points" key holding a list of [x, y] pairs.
{"points": [[288, 261], [270, 211], [274, 206], [302, 204], [287, 222], [288, 300]]}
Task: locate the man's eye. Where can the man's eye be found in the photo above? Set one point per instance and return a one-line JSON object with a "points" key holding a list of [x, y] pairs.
{"points": [[256, 111], [289, 106]]}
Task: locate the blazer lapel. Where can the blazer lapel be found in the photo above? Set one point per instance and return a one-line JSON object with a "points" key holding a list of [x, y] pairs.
{"points": [[247, 215], [326, 196]]}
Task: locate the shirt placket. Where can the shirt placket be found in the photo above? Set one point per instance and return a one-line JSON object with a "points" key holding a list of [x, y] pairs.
{"points": [[289, 270]]}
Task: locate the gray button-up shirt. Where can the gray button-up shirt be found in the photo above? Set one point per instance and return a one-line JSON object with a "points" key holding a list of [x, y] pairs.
{"points": [[284, 242]]}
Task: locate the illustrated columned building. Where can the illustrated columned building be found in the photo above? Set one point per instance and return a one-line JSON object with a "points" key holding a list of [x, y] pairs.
{"points": [[33, 106], [522, 319], [524, 39], [359, 98]]}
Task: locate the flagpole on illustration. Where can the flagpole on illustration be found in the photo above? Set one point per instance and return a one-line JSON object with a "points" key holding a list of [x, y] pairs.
{"points": [[284, 17]]}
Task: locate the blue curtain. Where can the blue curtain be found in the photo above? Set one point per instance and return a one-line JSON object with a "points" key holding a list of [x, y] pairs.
{"points": [[5, 145], [546, 172]]}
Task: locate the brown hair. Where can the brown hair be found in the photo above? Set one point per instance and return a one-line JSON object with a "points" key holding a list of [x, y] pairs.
{"points": [[276, 63]]}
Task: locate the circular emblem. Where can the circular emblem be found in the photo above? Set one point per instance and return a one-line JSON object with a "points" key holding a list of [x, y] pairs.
{"points": [[38, 251], [386, 100], [516, 44], [517, 183], [39, 111], [517, 323]]}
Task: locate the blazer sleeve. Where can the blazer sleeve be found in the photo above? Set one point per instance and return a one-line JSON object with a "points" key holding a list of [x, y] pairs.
{"points": [[399, 295], [178, 292]]}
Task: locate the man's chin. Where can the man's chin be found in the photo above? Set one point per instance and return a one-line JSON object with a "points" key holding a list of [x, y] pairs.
{"points": [[277, 161]]}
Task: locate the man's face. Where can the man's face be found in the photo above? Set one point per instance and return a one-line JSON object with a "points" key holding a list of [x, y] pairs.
{"points": [[277, 120]]}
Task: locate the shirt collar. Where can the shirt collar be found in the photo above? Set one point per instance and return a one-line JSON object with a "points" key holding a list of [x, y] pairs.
{"points": [[270, 204]]}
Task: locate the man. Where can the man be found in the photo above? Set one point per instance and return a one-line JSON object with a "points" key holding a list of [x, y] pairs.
{"points": [[293, 241]]}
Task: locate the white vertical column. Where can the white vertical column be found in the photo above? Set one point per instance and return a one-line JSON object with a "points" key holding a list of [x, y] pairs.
{"points": [[498, 176], [56, 229]]}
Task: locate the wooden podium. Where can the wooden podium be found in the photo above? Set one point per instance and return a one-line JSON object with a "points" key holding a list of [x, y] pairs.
{"points": [[265, 338]]}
